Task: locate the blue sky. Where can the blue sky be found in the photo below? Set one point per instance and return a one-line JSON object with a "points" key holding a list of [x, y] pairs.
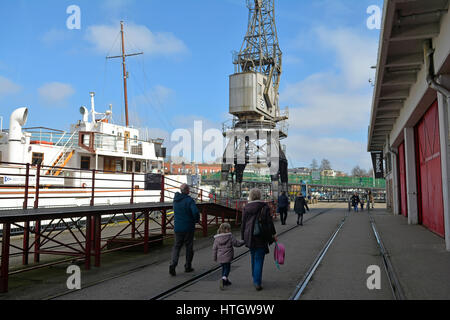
{"points": [[183, 76]]}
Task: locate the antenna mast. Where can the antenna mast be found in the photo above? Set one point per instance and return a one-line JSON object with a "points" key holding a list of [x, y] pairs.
{"points": [[125, 73]]}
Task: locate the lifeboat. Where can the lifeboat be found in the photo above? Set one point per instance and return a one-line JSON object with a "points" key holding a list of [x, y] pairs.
{"points": [[42, 142]]}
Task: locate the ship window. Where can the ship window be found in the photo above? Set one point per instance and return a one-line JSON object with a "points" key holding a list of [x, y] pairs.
{"points": [[37, 158], [137, 166], [129, 166], [85, 163], [144, 166], [119, 165]]}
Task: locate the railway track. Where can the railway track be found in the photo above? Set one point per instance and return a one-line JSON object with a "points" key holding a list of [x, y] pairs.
{"points": [[185, 284], [190, 282], [394, 283]]}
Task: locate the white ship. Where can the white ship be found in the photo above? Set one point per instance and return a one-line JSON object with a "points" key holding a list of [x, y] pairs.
{"points": [[119, 157]]}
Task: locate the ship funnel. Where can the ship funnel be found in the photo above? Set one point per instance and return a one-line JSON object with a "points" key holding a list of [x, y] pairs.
{"points": [[18, 119], [85, 113], [16, 145]]}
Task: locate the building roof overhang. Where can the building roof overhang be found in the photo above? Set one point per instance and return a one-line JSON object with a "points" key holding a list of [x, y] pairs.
{"points": [[406, 25]]}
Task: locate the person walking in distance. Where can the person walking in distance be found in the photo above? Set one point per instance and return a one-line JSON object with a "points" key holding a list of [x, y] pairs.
{"points": [[258, 232], [371, 199], [224, 241], [355, 201], [299, 208], [186, 216], [283, 207]]}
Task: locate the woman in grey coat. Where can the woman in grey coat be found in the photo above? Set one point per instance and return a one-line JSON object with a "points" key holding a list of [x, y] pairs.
{"points": [[256, 209], [299, 208]]}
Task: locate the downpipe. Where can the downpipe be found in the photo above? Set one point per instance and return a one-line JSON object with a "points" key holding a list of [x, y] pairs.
{"points": [[432, 79]]}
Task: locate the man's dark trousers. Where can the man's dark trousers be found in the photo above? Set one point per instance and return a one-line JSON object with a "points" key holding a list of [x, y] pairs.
{"points": [[186, 238], [283, 214]]}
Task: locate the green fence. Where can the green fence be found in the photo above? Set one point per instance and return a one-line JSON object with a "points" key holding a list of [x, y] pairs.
{"points": [[355, 182]]}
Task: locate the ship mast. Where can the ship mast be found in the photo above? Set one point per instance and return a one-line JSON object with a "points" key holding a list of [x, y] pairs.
{"points": [[125, 73]]}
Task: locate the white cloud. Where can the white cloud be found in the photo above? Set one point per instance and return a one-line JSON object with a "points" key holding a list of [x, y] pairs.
{"points": [[55, 92], [104, 39], [157, 97], [161, 94], [329, 107], [355, 54], [343, 154], [55, 35], [320, 102], [7, 87], [291, 59]]}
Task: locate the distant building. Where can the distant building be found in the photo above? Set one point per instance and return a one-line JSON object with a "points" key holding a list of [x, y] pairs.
{"points": [[191, 168], [258, 169], [328, 173], [340, 174], [302, 171]]}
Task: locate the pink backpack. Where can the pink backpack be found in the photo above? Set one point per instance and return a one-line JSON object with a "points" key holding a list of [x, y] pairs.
{"points": [[279, 254]]}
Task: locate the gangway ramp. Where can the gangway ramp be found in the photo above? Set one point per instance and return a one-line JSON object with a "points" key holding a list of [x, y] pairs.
{"points": [[87, 225]]}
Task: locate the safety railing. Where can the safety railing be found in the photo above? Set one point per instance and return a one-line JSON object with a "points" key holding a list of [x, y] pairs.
{"points": [[82, 235], [27, 186], [356, 182]]}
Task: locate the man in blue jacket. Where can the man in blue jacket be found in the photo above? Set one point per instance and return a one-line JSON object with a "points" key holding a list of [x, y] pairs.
{"points": [[283, 207], [186, 216]]}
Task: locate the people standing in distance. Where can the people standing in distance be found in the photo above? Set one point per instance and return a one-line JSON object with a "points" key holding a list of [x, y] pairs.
{"points": [[299, 208], [355, 201], [186, 216], [258, 232], [283, 207], [371, 199]]}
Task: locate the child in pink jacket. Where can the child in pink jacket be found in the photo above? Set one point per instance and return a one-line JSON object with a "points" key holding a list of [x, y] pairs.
{"points": [[224, 241]]}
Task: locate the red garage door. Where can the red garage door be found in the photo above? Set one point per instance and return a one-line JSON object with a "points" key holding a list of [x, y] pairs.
{"points": [[402, 178], [431, 206]]}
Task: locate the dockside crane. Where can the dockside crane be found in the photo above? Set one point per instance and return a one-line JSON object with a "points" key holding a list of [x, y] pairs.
{"points": [[258, 124]]}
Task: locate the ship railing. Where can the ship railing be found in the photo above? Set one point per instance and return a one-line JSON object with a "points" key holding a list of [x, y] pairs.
{"points": [[52, 138], [107, 142], [69, 143], [26, 186], [93, 232]]}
